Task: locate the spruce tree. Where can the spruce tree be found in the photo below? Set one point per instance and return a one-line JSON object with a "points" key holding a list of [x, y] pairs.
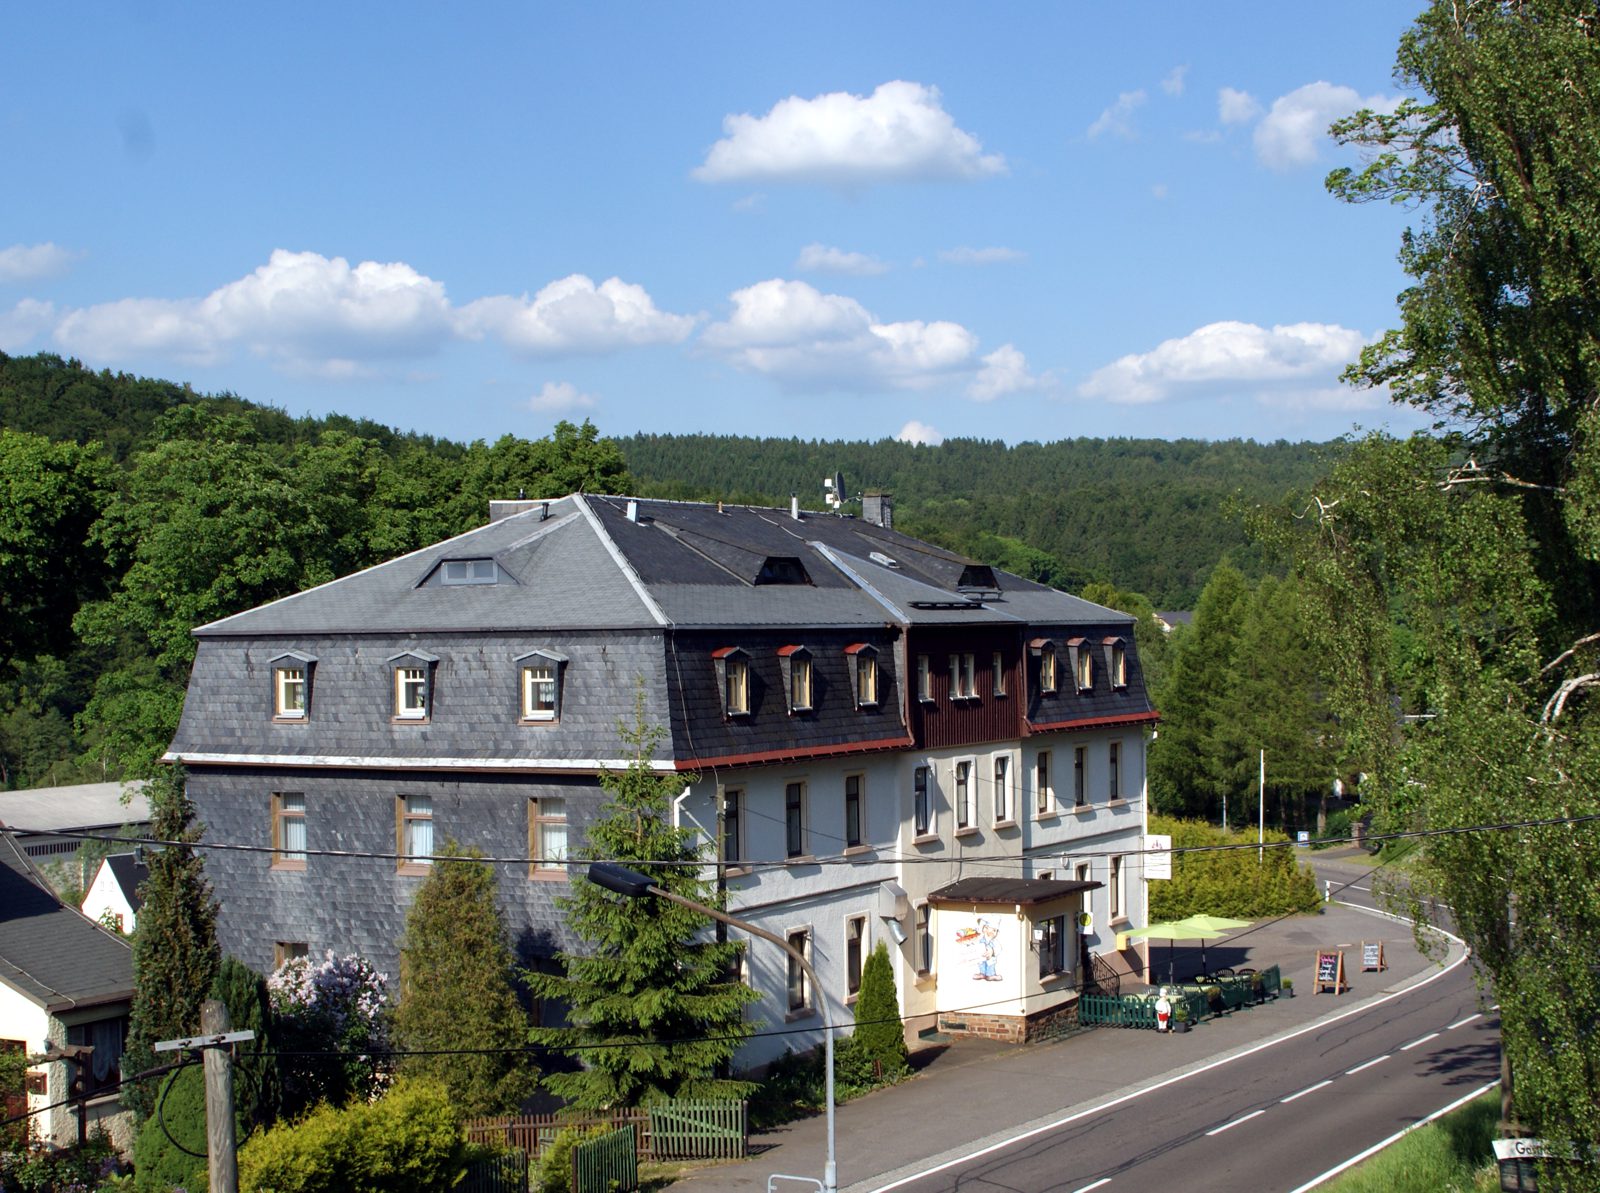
{"points": [[457, 991], [257, 1085], [880, 1037], [654, 1008], [175, 954]]}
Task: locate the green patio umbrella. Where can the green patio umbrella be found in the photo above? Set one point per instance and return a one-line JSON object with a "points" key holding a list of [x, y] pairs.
{"points": [[1195, 927]]}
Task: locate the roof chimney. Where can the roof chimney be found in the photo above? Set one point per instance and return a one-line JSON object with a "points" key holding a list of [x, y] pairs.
{"points": [[633, 511], [794, 506], [878, 508]]}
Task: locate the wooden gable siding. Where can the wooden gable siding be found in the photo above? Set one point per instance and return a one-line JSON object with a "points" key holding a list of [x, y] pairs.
{"points": [[984, 717]]}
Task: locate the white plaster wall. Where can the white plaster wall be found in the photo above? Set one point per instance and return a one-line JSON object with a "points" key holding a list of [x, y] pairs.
{"points": [[105, 895]]}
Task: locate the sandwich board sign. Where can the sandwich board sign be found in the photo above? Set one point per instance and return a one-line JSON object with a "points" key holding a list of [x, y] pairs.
{"points": [[1372, 957], [1330, 972]]}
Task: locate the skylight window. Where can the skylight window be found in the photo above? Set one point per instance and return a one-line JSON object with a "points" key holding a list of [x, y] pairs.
{"points": [[880, 558], [782, 569]]}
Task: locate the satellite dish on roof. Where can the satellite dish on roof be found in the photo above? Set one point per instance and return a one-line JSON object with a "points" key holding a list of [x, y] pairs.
{"points": [[833, 491]]}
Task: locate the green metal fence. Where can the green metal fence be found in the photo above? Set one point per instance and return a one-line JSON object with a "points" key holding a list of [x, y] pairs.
{"points": [[502, 1172], [687, 1130], [606, 1162]]}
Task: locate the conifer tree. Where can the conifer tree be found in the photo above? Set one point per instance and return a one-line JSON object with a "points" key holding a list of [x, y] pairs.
{"points": [[175, 954], [654, 1010], [457, 992], [880, 1038]]}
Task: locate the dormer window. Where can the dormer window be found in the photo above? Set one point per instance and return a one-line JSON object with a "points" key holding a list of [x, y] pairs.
{"points": [[413, 686], [1117, 662], [1085, 669], [733, 679], [795, 662], [469, 571], [865, 660], [541, 685], [963, 676], [1046, 650], [291, 686], [782, 569]]}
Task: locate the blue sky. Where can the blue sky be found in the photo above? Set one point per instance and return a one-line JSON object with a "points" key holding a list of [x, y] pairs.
{"points": [[825, 220]]}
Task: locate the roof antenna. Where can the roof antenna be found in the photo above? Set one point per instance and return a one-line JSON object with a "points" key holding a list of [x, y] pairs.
{"points": [[833, 491]]}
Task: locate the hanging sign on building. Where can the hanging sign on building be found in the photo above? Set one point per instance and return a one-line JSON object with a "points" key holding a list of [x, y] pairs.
{"points": [[1157, 855]]}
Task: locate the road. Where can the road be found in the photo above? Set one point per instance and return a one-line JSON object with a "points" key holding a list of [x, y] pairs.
{"points": [[1274, 1120]]}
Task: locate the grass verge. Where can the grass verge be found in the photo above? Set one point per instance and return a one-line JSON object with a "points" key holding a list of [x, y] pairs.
{"points": [[1449, 1156]]}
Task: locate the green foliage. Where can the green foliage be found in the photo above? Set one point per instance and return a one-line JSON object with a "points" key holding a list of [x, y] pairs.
{"points": [[456, 988], [1452, 1155], [257, 1086], [331, 1021], [13, 1084], [160, 1162], [880, 1040], [553, 1173], [409, 1141], [95, 1165], [653, 1006], [175, 954], [1238, 882]]}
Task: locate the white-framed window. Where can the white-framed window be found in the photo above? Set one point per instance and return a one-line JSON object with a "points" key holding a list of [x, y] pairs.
{"points": [[1002, 788], [1118, 896], [799, 667], [413, 817], [1047, 669], [1080, 777], [924, 677], [733, 825], [921, 802], [733, 680], [997, 673], [1081, 872], [541, 689], [1052, 946], [853, 789], [1044, 794], [1119, 665], [962, 775], [469, 571], [411, 693], [547, 837], [963, 676], [1085, 669], [794, 819], [290, 686], [1114, 770], [855, 944], [799, 987], [924, 938], [287, 950], [867, 678], [288, 830]]}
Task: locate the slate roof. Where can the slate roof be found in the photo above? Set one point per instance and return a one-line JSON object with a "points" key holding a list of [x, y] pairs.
{"points": [[580, 562], [1009, 890], [52, 954]]}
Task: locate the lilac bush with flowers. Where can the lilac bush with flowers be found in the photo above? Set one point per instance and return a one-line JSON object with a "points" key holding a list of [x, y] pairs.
{"points": [[332, 1021]]}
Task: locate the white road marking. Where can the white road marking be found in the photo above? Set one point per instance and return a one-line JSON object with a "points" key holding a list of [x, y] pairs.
{"points": [[1432, 1035], [1378, 1147], [1235, 1122], [1368, 1065], [1463, 1022], [966, 1157], [1309, 1090], [1105, 1180]]}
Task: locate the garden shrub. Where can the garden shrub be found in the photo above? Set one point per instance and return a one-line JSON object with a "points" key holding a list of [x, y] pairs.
{"points": [[338, 1005], [553, 1173], [1229, 882], [177, 1117], [880, 1039], [409, 1141]]}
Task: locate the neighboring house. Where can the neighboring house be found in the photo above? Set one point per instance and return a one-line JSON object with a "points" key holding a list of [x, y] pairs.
{"points": [[1171, 620], [113, 896], [863, 721], [43, 819], [65, 982]]}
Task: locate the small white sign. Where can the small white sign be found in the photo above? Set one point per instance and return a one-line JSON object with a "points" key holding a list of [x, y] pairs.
{"points": [[1158, 856]]}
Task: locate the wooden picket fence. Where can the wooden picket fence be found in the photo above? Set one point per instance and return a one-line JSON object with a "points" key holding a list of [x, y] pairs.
{"points": [[686, 1130]]}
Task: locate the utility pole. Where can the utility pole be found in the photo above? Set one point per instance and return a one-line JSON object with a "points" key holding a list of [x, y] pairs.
{"points": [[216, 1046]]}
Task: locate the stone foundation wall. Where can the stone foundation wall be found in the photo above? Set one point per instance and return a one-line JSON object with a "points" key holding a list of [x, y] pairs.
{"points": [[1013, 1029]]}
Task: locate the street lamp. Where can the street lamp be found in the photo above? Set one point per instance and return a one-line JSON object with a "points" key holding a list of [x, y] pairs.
{"points": [[636, 886]]}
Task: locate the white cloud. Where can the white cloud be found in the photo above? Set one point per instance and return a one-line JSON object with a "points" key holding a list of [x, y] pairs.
{"points": [[573, 315], [560, 397], [31, 262], [1174, 83], [917, 432], [1118, 118], [1293, 132], [1236, 107], [1239, 356], [805, 339], [899, 132], [23, 323], [303, 310], [994, 255], [1158, 190], [1005, 371], [820, 258]]}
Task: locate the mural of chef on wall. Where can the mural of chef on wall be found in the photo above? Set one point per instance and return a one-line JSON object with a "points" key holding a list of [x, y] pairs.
{"points": [[980, 948]]}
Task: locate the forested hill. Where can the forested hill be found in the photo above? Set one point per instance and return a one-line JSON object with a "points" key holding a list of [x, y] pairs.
{"points": [[1147, 515]]}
